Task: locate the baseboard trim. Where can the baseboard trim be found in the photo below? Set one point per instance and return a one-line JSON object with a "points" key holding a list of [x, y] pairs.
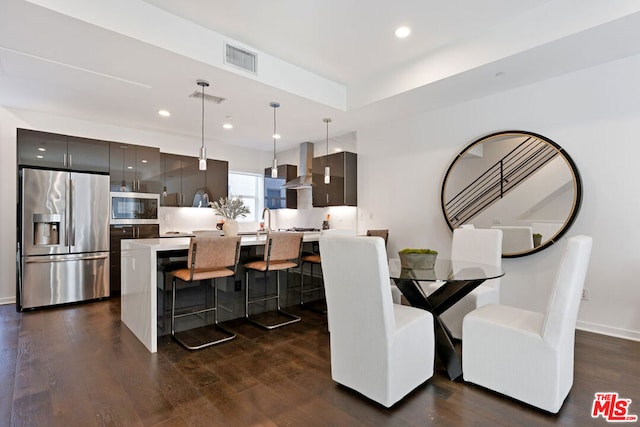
{"points": [[608, 330], [7, 300]]}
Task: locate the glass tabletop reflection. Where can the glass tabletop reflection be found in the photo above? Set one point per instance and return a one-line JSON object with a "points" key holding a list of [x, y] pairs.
{"points": [[445, 270]]}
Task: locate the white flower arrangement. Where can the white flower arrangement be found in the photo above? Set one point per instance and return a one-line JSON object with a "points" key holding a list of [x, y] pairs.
{"points": [[230, 208]]}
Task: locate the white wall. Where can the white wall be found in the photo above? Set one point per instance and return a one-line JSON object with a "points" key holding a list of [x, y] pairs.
{"points": [[241, 160], [8, 206], [594, 114]]}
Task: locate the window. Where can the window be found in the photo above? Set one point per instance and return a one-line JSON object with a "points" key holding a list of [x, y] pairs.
{"points": [[250, 187]]}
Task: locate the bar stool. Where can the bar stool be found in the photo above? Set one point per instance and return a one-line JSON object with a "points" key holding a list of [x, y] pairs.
{"points": [[379, 233], [210, 257], [281, 252]]}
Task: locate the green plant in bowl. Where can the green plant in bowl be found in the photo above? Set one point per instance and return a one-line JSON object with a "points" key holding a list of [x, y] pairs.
{"points": [[418, 251], [417, 259]]}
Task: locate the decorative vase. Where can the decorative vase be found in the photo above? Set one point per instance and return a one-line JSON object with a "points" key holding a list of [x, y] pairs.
{"points": [[417, 261], [230, 227]]}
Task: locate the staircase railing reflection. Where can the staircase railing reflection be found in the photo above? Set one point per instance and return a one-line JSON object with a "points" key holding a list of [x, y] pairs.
{"points": [[499, 179]]}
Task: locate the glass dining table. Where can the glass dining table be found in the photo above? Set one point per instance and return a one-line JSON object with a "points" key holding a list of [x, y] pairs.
{"points": [[458, 279]]}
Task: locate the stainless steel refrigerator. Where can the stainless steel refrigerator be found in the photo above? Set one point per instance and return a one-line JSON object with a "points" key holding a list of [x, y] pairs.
{"points": [[63, 237]]}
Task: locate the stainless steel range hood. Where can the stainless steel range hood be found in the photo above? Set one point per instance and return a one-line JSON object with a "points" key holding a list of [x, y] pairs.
{"points": [[305, 169]]}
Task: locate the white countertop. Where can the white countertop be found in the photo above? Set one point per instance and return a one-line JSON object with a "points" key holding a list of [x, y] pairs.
{"points": [[177, 243]]}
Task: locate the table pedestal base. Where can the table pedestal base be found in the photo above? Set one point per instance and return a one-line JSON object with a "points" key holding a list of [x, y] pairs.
{"points": [[437, 303]]}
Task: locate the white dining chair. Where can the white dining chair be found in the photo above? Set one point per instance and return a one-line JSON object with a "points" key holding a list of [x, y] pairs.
{"points": [[379, 349], [480, 245], [516, 238], [527, 355]]}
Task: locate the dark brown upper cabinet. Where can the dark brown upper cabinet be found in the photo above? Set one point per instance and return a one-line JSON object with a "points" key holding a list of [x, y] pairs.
{"points": [[55, 151], [135, 168], [343, 188], [217, 175], [276, 197], [186, 184]]}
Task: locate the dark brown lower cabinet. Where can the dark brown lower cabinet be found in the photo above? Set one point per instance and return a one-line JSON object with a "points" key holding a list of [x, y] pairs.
{"points": [[119, 232]]}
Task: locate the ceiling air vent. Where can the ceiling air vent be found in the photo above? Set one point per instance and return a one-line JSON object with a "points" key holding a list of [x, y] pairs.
{"points": [[208, 98], [240, 58]]}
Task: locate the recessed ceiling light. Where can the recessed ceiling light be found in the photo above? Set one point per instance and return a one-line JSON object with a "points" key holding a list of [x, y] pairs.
{"points": [[42, 149], [129, 167], [144, 161], [40, 157], [164, 113], [276, 136], [402, 32], [227, 126]]}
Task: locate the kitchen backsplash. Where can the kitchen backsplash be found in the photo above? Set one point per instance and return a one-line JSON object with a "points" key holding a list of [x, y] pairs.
{"points": [[174, 219], [344, 217]]}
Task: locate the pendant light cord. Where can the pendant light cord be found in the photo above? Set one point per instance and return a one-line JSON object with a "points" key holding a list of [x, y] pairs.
{"points": [[274, 167], [326, 160], [122, 164], [202, 145], [202, 158], [327, 173], [274, 128]]}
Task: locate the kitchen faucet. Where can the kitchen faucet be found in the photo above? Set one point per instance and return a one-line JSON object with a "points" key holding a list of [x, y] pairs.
{"points": [[267, 210]]}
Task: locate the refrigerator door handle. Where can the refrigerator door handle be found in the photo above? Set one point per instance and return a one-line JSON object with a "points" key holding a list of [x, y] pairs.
{"points": [[63, 258], [67, 203], [71, 214], [19, 269]]}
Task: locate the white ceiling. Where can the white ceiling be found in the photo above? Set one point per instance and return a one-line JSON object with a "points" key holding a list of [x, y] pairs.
{"points": [[118, 62]]}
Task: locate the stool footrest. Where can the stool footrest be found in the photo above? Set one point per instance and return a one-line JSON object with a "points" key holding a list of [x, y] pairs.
{"points": [[181, 338], [290, 318], [266, 298], [194, 312], [304, 291]]}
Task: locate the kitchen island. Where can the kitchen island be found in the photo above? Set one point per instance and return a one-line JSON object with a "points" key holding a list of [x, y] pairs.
{"points": [[139, 295]]}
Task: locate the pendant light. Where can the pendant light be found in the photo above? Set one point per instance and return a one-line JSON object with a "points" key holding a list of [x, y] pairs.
{"points": [[274, 168], [202, 160], [327, 170]]}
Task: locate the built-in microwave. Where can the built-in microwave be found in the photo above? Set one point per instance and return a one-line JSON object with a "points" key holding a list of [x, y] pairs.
{"points": [[134, 208]]}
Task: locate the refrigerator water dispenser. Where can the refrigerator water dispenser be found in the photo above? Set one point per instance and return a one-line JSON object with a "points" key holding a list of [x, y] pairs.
{"points": [[46, 229]]}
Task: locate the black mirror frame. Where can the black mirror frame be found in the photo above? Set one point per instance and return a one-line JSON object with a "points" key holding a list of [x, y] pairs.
{"points": [[574, 170]]}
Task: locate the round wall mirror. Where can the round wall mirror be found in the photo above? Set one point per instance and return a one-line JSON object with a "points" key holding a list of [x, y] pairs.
{"points": [[520, 182]]}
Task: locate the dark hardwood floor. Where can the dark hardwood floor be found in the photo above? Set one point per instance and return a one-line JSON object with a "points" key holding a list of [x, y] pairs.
{"points": [[80, 366]]}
